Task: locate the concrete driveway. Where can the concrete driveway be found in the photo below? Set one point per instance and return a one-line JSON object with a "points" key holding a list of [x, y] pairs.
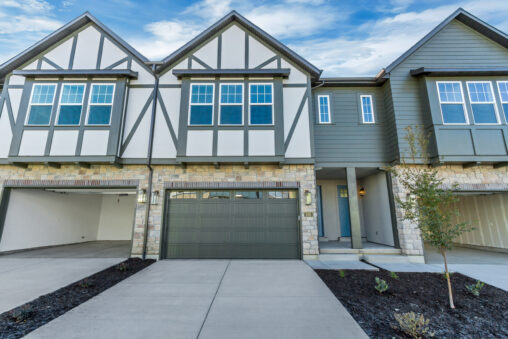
{"points": [[211, 299], [25, 279]]}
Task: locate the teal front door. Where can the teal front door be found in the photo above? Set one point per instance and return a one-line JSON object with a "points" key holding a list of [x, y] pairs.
{"points": [[345, 224]]}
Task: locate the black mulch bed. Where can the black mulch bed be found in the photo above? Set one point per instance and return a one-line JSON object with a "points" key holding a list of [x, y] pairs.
{"points": [[485, 316], [21, 320]]}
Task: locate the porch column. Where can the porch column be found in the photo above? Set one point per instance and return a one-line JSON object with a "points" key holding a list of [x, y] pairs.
{"points": [[354, 210]]}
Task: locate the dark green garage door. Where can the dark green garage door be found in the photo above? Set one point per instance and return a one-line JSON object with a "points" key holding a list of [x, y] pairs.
{"points": [[245, 224]]}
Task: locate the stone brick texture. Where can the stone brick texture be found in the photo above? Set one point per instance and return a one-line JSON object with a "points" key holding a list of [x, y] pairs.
{"points": [[102, 175], [481, 176]]}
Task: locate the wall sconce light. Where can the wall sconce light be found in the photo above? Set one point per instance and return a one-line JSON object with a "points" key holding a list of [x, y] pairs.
{"points": [[142, 196], [361, 191], [308, 197], [155, 197]]}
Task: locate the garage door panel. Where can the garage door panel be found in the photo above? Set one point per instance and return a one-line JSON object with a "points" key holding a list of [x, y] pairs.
{"points": [[230, 227]]}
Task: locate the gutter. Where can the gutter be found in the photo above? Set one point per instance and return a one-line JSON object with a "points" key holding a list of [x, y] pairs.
{"points": [[149, 162]]}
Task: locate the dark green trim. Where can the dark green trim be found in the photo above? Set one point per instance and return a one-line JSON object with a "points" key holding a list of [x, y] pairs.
{"points": [[51, 73], [278, 117], [201, 62], [4, 204], [215, 135], [73, 51], [231, 159], [62, 159], [296, 85], [51, 127], [295, 120], [168, 120], [267, 62], [469, 71], [99, 52], [181, 147], [322, 165], [50, 63], [81, 133], [116, 117], [246, 118], [265, 72], [17, 133], [246, 63], [140, 117], [118, 63], [219, 51]]}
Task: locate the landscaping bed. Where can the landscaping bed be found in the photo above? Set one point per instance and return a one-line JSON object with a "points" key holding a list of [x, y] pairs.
{"points": [[426, 293], [21, 320]]}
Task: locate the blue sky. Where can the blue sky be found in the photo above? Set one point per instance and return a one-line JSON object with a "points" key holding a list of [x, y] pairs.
{"points": [[342, 37]]}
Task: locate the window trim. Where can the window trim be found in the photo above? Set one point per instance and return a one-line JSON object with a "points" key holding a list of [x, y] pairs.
{"points": [[263, 104], [60, 104], [90, 103], [201, 104], [230, 104], [501, 98], [498, 120], [319, 109], [371, 106], [466, 115], [27, 119]]}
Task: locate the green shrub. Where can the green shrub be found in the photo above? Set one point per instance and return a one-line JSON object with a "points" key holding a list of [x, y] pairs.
{"points": [[381, 285], [394, 275], [342, 274], [86, 283], [413, 324], [123, 267], [475, 289], [22, 314]]}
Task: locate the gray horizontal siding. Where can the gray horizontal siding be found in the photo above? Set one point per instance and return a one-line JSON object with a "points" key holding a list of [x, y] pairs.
{"points": [[455, 46], [347, 139]]}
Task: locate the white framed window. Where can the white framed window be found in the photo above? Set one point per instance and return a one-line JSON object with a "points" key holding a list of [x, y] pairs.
{"points": [[100, 104], [367, 109], [324, 109], [41, 104], [231, 104], [201, 104], [261, 104], [71, 104], [483, 104], [502, 87], [451, 101]]}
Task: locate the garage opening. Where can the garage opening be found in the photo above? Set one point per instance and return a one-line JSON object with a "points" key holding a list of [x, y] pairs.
{"points": [[231, 224], [488, 214], [68, 222]]}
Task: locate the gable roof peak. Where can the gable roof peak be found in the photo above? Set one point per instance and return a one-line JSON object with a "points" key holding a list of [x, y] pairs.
{"points": [[466, 18], [253, 29]]}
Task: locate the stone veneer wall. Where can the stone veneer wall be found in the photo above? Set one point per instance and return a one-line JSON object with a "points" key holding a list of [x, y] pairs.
{"points": [[477, 178], [104, 175]]}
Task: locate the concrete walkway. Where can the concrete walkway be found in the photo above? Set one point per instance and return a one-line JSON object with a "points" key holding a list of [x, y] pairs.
{"points": [[25, 279], [211, 299]]}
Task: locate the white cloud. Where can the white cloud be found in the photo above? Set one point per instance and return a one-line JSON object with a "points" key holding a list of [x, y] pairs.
{"points": [[384, 40], [167, 36], [28, 5], [17, 24]]}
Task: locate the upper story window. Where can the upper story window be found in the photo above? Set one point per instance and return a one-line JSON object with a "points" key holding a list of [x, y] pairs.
{"points": [[324, 109], [261, 104], [482, 102], [101, 102], [503, 94], [451, 100], [367, 109], [231, 104], [41, 104], [201, 104], [71, 103]]}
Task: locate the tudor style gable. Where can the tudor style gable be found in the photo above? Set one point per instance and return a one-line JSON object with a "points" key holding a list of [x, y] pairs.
{"points": [[234, 94], [64, 98]]}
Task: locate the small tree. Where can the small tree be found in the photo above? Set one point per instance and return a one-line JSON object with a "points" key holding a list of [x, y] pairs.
{"points": [[429, 204]]}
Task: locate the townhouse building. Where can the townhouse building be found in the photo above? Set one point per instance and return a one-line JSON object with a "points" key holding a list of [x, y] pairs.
{"points": [[234, 146]]}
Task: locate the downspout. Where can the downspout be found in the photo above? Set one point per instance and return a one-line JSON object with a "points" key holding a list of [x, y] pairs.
{"points": [[149, 162]]}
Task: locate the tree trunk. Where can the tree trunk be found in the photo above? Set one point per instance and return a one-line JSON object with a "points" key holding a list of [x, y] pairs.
{"points": [[450, 294]]}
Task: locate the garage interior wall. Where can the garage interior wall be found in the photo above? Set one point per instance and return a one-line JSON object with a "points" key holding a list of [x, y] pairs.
{"points": [[37, 218], [488, 214]]}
